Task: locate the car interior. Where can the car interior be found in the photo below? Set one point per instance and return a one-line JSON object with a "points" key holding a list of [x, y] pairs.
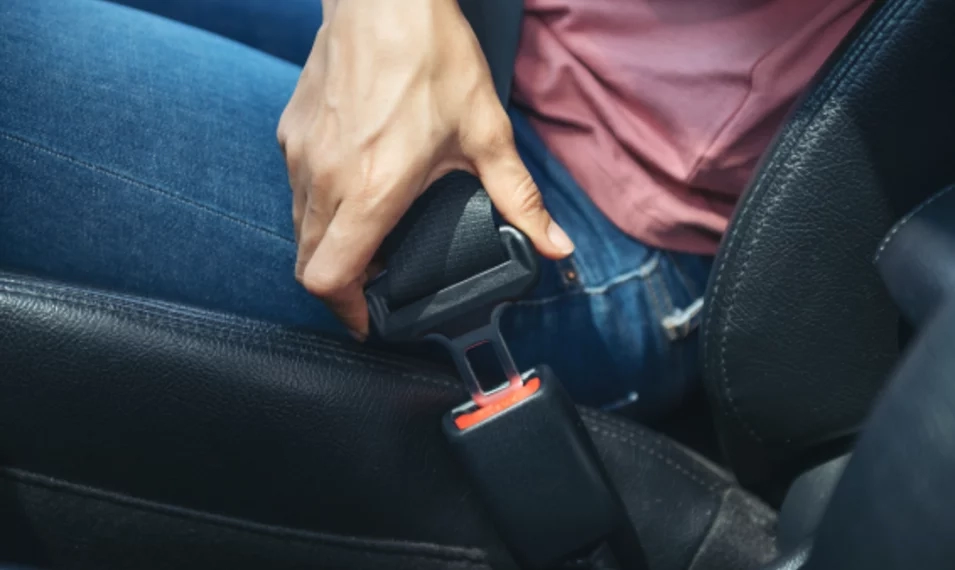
{"points": [[141, 434]]}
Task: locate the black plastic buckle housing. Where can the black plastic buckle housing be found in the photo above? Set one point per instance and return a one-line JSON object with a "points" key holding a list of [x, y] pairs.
{"points": [[464, 315], [539, 476], [523, 444]]}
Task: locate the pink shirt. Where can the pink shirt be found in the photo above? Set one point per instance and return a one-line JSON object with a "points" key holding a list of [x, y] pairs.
{"points": [[660, 109]]}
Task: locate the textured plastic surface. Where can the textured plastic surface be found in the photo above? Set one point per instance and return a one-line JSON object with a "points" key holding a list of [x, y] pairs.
{"points": [[462, 307], [539, 477]]}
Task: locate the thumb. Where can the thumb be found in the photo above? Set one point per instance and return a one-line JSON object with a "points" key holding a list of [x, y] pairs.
{"points": [[517, 198]]}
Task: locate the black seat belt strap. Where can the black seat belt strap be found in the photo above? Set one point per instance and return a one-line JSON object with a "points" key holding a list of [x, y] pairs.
{"points": [[449, 272], [449, 233]]}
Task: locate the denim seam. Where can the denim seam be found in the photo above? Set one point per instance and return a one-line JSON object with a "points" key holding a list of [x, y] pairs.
{"points": [[293, 348], [389, 547], [666, 294], [639, 274], [658, 311], [681, 275], [129, 180], [762, 184], [676, 350]]}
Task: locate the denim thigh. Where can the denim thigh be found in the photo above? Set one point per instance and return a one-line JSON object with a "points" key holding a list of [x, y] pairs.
{"points": [[139, 154], [283, 28], [617, 320]]}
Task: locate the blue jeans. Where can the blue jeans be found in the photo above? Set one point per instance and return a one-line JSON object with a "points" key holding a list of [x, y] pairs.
{"points": [[138, 154]]}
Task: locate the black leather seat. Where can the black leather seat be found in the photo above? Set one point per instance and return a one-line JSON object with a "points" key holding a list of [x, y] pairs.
{"points": [[799, 332], [140, 434]]}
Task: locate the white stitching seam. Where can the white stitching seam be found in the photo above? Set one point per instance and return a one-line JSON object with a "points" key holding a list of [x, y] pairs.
{"points": [[901, 223], [210, 330], [761, 187], [471, 556], [639, 273]]}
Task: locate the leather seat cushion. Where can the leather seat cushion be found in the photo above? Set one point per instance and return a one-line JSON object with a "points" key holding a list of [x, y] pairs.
{"points": [[138, 434]]}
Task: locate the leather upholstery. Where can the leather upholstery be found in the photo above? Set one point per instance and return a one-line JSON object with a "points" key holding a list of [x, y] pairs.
{"points": [[138, 434], [892, 509], [799, 332], [792, 561], [917, 257]]}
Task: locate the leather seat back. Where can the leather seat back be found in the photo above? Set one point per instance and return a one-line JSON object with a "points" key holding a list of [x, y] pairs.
{"points": [[799, 333]]}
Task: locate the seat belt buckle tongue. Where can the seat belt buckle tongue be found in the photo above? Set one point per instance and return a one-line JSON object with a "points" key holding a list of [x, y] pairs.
{"points": [[465, 315]]}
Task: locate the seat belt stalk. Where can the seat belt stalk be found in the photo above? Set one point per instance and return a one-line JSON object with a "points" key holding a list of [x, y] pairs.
{"points": [[538, 474], [523, 444]]}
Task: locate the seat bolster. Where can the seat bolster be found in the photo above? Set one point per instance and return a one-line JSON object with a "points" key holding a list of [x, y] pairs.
{"points": [[799, 333], [139, 434], [917, 257]]}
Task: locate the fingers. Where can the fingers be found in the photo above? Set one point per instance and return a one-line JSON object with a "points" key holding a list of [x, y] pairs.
{"points": [[299, 205], [516, 196], [316, 217], [341, 264]]}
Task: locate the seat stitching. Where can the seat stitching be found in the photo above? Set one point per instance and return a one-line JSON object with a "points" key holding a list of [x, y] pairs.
{"points": [[758, 520], [298, 348], [611, 420], [709, 531], [625, 438], [206, 319], [292, 349], [905, 220], [129, 180], [658, 440], [400, 548], [762, 186], [655, 453], [162, 309]]}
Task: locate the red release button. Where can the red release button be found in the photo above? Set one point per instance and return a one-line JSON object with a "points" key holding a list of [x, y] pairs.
{"points": [[517, 395]]}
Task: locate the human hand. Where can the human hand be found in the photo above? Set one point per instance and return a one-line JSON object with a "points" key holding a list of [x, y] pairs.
{"points": [[393, 96]]}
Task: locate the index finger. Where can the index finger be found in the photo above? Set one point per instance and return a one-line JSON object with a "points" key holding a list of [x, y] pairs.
{"points": [[337, 269]]}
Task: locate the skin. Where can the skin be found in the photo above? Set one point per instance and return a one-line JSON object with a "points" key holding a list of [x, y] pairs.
{"points": [[394, 95]]}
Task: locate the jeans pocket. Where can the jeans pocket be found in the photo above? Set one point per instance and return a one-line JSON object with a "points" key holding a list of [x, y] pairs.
{"points": [[675, 296]]}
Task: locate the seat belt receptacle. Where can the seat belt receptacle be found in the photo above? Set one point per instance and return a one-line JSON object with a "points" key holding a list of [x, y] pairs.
{"points": [[523, 444], [535, 468]]}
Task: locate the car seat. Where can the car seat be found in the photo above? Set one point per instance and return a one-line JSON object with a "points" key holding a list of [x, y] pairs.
{"points": [[136, 433]]}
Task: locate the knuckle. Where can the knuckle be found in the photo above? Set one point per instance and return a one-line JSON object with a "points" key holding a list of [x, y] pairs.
{"points": [[281, 135], [293, 149], [320, 177], [325, 283], [372, 195], [282, 130], [285, 132], [527, 198], [495, 138], [317, 212]]}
